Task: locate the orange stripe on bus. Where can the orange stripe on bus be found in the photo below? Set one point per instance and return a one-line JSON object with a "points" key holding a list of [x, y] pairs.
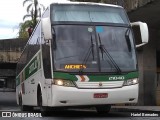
{"points": [[82, 78]]}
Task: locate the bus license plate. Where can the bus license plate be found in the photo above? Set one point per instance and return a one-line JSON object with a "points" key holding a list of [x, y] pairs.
{"points": [[100, 95]]}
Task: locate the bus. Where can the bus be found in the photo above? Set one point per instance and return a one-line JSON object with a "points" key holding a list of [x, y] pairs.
{"points": [[80, 54]]}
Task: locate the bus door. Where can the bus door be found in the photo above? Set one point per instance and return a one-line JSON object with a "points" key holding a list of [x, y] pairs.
{"points": [[46, 58]]}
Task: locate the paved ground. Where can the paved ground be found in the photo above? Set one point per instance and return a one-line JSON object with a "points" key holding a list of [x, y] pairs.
{"points": [[138, 108], [8, 103], [7, 90]]}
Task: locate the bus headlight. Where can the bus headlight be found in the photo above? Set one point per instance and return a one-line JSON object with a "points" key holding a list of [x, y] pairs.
{"points": [[66, 83], [131, 82]]}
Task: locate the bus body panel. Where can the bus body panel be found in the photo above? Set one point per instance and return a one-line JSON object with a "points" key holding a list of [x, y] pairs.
{"points": [[30, 96], [75, 97]]}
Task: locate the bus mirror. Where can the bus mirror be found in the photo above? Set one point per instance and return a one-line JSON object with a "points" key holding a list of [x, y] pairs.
{"points": [[46, 28], [143, 31]]}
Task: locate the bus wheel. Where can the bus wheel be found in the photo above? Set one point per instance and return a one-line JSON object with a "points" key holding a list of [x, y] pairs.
{"points": [[24, 107], [43, 109], [103, 109]]}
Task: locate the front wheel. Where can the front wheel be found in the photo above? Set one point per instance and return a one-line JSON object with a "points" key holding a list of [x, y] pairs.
{"points": [[103, 109], [43, 110]]}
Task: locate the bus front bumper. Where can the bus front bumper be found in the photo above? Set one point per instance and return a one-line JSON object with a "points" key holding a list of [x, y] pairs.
{"points": [[70, 96]]}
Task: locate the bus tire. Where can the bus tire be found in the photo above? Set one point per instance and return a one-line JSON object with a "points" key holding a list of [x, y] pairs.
{"points": [[103, 109], [43, 109], [24, 107]]}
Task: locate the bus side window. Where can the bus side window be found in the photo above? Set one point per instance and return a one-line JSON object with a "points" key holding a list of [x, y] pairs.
{"points": [[46, 60]]}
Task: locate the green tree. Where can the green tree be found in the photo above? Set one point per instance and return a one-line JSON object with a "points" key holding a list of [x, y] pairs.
{"points": [[31, 15], [23, 27], [34, 10]]}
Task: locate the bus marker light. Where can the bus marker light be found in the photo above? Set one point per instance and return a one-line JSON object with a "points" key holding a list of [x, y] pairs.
{"points": [[100, 84]]}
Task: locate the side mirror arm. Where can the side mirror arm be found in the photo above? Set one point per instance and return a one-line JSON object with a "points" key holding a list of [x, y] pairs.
{"points": [[144, 32]]}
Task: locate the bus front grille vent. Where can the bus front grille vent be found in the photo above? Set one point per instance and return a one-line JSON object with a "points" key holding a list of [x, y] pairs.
{"points": [[110, 84]]}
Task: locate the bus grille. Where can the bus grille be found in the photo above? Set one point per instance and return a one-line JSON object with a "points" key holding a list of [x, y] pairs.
{"points": [[113, 84]]}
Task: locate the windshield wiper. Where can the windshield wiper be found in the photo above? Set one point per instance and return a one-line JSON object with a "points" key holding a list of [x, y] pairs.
{"points": [[104, 50], [128, 39], [90, 50]]}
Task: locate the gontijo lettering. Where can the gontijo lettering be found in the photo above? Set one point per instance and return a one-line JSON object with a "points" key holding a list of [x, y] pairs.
{"points": [[33, 66]]}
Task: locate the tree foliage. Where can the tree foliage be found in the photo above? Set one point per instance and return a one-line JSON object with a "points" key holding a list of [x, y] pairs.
{"points": [[23, 29], [33, 9]]}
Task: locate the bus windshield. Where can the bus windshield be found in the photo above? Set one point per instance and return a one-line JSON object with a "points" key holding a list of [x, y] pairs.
{"points": [[88, 13], [78, 46]]}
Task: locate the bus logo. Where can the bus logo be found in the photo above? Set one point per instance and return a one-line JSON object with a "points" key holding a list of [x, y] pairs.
{"points": [[100, 84]]}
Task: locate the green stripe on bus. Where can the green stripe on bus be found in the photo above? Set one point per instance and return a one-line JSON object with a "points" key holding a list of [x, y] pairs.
{"points": [[61, 75], [33, 67], [94, 78], [17, 81], [30, 69]]}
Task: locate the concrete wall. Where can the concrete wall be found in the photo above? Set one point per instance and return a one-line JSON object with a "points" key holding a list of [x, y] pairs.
{"points": [[158, 90], [148, 71], [10, 82], [7, 72], [10, 56], [10, 49], [158, 70], [129, 5]]}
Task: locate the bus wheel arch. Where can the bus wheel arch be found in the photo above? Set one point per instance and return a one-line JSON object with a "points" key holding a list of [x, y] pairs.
{"points": [[42, 108]]}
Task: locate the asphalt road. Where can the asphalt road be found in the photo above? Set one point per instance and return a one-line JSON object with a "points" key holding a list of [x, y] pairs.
{"points": [[8, 103]]}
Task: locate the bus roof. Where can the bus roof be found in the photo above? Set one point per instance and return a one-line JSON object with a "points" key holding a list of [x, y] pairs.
{"points": [[86, 3]]}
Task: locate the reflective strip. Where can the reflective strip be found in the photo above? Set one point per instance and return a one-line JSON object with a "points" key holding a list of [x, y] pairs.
{"points": [[82, 78], [86, 78]]}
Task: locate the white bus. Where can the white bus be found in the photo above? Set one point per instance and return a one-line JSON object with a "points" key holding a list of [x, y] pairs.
{"points": [[80, 54]]}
